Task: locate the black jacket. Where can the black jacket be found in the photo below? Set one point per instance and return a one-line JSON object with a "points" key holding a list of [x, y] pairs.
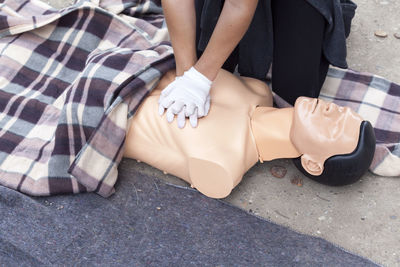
{"points": [[337, 13]]}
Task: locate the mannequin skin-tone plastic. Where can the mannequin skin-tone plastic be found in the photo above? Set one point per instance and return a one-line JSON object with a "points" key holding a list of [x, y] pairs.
{"points": [[241, 128], [331, 129]]}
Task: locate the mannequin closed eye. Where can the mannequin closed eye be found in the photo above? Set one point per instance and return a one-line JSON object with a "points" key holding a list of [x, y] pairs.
{"points": [[315, 105]]}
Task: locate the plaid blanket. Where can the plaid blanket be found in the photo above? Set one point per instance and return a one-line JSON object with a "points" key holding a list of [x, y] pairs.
{"points": [[375, 99], [69, 81]]}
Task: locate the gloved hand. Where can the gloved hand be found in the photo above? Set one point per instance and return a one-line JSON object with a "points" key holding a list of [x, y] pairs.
{"points": [[186, 96], [181, 117]]}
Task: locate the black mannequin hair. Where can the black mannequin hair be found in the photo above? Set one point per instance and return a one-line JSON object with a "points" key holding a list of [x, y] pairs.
{"points": [[347, 169]]}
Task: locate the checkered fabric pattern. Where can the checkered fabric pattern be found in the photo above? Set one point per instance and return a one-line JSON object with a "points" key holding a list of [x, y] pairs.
{"points": [[376, 100], [69, 81]]}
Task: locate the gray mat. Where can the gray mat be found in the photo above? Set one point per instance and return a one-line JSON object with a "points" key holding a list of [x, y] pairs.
{"points": [[150, 223]]}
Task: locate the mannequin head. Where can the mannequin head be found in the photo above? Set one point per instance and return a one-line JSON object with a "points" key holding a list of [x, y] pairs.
{"points": [[337, 146]]}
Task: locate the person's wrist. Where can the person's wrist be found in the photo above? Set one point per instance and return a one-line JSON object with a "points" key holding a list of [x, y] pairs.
{"points": [[195, 74], [184, 64], [208, 69], [180, 71]]}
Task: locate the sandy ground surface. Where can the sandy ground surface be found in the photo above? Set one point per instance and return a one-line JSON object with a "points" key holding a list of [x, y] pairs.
{"points": [[363, 218]]}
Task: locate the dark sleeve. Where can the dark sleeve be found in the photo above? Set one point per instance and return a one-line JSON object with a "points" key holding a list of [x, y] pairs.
{"points": [[348, 12], [207, 14]]}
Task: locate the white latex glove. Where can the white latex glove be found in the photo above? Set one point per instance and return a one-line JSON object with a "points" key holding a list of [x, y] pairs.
{"points": [[190, 93], [181, 118]]}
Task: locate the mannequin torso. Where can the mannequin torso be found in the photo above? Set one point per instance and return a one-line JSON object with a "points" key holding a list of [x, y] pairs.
{"points": [[241, 127], [212, 157]]}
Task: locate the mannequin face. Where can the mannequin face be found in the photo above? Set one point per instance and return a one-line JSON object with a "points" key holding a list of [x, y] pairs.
{"points": [[321, 129]]}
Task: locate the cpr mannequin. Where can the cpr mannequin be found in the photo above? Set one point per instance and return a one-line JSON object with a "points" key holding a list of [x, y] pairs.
{"points": [[241, 128]]}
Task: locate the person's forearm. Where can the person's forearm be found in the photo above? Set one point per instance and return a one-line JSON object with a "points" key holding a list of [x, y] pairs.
{"points": [[233, 23], [181, 21]]}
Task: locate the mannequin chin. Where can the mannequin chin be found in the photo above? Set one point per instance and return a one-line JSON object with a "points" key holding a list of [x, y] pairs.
{"points": [[241, 128]]}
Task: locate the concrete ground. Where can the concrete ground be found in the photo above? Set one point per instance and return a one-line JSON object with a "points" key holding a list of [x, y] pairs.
{"points": [[363, 218]]}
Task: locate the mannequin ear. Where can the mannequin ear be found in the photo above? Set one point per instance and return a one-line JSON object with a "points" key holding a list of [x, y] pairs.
{"points": [[311, 166]]}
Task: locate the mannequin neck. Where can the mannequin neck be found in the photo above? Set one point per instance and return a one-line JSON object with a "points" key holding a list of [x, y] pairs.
{"points": [[271, 130]]}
